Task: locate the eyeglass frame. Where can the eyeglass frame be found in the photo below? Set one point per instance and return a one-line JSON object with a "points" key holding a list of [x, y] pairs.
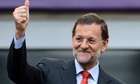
{"points": [[89, 40]]}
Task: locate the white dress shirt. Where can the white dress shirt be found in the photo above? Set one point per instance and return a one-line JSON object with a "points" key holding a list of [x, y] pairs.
{"points": [[18, 43], [93, 79]]}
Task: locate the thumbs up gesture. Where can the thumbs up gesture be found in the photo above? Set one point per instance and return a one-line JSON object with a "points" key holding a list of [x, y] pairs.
{"points": [[21, 17]]}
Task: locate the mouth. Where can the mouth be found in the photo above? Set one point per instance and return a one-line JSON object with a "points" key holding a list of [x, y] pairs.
{"points": [[84, 51]]}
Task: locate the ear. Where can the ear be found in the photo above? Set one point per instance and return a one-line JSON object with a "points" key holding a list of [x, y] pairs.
{"points": [[104, 46], [72, 40]]}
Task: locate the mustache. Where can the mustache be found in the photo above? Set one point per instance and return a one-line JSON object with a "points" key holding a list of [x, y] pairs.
{"points": [[84, 50]]}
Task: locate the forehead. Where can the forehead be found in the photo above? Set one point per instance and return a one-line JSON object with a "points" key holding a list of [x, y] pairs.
{"points": [[90, 30]]}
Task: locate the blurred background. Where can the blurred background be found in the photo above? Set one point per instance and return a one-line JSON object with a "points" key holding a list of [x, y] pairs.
{"points": [[49, 33]]}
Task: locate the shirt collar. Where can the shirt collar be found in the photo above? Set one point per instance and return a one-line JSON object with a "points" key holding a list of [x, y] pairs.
{"points": [[93, 71]]}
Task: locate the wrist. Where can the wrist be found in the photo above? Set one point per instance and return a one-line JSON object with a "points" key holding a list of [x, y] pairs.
{"points": [[19, 34]]}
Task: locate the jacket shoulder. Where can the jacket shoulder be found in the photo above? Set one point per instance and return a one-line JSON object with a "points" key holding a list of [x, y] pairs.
{"points": [[108, 78], [50, 61]]}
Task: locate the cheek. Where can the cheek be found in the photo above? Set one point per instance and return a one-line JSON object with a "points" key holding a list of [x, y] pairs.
{"points": [[95, 48], [75, 45]]}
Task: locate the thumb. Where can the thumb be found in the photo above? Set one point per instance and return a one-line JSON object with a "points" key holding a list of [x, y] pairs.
{"points": [[27, 3]]}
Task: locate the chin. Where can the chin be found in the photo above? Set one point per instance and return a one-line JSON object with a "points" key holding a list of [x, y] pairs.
{"points": [[83, 60]]}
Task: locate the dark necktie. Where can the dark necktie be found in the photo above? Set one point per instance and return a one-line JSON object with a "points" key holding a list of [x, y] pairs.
{"points": [[85, 77]]}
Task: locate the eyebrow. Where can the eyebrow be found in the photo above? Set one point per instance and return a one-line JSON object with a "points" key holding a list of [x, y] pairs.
{"points": [[88, 37], [79, 36], [91, 38]]}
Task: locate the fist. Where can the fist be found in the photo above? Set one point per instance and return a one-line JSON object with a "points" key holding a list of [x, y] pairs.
{"points": [[21, 16]]}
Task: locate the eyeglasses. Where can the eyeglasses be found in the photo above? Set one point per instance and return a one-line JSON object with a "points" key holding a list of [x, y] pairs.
{"points": [[89, 40]]}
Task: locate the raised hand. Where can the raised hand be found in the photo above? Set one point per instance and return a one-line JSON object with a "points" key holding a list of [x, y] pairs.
{"points": [[21, 16]]}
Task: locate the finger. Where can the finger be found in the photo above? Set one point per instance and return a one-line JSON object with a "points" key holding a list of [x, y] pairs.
{"points": [[22, 20], [20, 11], [27, 3], [21, 7], [21, 15], [18, 16]]}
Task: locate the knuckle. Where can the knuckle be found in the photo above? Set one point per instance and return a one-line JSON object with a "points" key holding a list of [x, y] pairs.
{"points": [[17, 19], [23, 10], [23, 15], [24, 19], [13, 13]]}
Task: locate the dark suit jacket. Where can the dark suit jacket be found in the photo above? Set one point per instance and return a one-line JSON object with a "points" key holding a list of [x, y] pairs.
{"points": [[47, 71]]}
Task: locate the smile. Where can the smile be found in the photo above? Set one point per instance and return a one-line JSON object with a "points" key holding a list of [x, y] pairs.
{"points": [[84, 51]]}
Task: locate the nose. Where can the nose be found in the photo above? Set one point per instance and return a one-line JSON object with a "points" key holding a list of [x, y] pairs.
{"points": [[84, 44]]}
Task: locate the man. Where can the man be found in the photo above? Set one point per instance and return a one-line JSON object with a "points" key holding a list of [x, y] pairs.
{"points": [[89, 40]]}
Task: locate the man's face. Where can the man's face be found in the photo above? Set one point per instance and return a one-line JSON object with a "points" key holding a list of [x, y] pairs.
{"points": [[88, 44]]}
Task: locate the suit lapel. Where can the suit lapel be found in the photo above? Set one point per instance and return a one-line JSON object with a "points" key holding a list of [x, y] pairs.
{"points": [[68, 73], [103, 77]]}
